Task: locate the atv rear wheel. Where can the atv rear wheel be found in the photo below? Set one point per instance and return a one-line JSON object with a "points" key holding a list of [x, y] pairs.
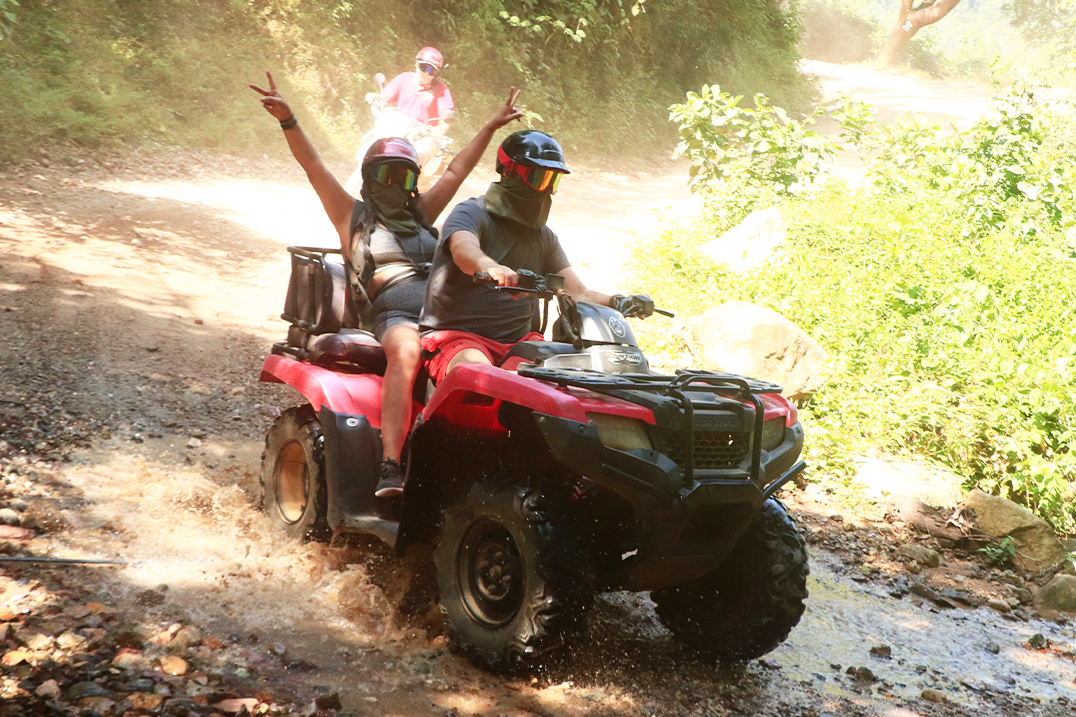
{"points": [[747, 606], [293, 475], [514, 584]]}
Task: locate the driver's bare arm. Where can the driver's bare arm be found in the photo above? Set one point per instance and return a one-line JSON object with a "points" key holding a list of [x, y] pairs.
{"points": [[434, 201], [468, 256], [574, 286], [336, 202]]}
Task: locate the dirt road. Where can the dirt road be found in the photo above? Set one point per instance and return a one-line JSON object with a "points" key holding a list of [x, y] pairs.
{"points": [[137, 299]]}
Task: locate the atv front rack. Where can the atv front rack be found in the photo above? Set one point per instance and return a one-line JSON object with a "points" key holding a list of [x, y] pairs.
{"points": [[677, 387]]}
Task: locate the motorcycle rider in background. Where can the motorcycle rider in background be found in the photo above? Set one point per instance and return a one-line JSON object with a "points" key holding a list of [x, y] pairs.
{"points": [[423, 96]]}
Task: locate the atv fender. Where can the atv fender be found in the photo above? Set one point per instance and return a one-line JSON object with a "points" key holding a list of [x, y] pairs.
{"points": [[470, 396], [352, 394]]}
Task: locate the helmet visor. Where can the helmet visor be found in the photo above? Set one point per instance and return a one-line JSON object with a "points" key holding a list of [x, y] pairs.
{"points": [[426, 68], [539, 179], [399, 174]]}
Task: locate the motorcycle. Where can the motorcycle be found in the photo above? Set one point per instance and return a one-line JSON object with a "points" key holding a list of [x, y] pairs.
{"points": [[429, 140], [570, 469]]}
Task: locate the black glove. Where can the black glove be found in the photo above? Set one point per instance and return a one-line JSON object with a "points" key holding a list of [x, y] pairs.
{"points": [[634, 306]]}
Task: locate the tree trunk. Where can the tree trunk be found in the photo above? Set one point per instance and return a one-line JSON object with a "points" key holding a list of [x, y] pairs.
{"points": [[909, 22]]}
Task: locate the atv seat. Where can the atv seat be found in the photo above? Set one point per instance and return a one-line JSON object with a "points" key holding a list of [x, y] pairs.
{"points": [[324, 324], [534, 352], [352, 346]]}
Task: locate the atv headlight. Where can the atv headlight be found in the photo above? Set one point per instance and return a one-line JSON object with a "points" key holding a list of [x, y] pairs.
{"points": [[773, 433], [620, 433]]}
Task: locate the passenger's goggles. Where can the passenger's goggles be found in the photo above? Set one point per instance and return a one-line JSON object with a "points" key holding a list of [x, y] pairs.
{"points": [[396, 174], [427, 68], [539, 179]]}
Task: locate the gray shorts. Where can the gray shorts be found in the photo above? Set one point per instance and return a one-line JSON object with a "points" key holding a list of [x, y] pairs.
{"points": [[399, 304]]}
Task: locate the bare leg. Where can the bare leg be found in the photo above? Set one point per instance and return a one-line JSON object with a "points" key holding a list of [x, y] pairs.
{"points": [[404, 353], [468, 356]]}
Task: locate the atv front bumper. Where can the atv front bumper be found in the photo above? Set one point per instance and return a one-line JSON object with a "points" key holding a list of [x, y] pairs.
{"points": [[685, 526]]}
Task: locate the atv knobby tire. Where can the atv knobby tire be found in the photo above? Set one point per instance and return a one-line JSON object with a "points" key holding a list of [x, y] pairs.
{"points": [[293, 475], [514, 583], [748, 606]]}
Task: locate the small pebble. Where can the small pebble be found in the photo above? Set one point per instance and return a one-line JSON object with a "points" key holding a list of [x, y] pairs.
{"points": [[932, 695]]}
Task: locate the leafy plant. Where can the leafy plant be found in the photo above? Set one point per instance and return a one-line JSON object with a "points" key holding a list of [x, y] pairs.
{"points": [[7, 17], [1005, 162], [760, 148], [940, 289], [114, 72], [1001, 554]]}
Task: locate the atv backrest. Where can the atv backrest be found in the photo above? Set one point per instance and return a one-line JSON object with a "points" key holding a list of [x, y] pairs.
{"points": [[317, 300]]}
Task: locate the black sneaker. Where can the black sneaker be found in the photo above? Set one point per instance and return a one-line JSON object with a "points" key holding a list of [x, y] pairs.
{"points": [[391, 481]]}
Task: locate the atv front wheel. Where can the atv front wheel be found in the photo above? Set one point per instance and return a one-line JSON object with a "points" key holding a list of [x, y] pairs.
{"points": [[746, 607], [514, 584], [293, 475]]}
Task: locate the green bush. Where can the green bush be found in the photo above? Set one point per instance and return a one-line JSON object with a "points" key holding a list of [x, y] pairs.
{"points": [[599, 72], [941, 289], [744, 153]]}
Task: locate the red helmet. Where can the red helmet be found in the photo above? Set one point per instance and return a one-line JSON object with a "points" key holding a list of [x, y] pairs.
{"points": [[391, 149], [431, 55]]}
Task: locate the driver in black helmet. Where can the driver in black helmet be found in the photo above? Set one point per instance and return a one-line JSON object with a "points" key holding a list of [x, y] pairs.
{"points": [[499, 233]]}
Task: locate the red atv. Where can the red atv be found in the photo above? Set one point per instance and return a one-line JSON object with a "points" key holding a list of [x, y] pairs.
{"points": [[578, 472]]}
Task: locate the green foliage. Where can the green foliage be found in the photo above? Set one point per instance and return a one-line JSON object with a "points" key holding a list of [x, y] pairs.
{"points": [[1001, 554], [941, 289], [1002, 171], [598, 72], [737, 148], [7, 17]]}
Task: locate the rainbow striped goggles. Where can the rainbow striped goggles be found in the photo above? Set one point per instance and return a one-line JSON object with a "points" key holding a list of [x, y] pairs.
{"points": [[391, 173], [537, 178]]}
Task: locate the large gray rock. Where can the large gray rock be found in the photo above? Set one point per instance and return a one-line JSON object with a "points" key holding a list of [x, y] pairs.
{"points": [[1037, 547], [755, 241], [933, 485], [1058, 594], [742, 338]]}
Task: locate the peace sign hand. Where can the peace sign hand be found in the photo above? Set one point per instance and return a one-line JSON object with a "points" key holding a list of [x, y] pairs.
{"points": [[272, 101], [509, 112]]}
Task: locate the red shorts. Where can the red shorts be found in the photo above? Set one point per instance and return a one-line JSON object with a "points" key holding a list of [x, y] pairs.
{"points": [[442, 346]]}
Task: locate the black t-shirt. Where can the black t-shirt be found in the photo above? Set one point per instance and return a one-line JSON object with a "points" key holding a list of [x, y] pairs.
{"points": [[454, 301]]}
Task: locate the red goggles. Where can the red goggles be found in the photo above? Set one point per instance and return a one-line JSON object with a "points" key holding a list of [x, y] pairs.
{"points": [[390, 173], [537, 178]]}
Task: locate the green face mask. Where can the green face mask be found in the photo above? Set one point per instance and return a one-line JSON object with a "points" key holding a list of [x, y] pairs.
{"points": [[511, 198], [390, 205]]}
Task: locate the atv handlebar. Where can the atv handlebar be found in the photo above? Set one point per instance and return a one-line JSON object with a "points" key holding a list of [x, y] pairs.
{"points": [[545, 286], [542, 286]]}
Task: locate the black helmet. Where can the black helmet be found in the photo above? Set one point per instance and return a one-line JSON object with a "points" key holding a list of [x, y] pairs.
{"points": [[531, 148]]}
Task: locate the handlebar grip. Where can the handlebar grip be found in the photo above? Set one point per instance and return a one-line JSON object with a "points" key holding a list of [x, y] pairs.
{"points": [[663, 312]]}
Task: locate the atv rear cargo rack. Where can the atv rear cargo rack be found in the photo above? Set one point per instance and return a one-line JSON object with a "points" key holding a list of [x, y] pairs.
{"points": [[677, 387]]}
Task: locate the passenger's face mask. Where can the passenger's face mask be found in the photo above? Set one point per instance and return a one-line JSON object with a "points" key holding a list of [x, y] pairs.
{"points": [[390, 204]]}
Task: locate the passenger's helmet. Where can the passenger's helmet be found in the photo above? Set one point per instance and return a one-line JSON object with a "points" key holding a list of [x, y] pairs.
{"points": [[391, 149], [531, 148], [431, 55]]}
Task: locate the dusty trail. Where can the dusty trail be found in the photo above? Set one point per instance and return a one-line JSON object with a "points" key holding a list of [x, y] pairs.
{"points": [[137, 298]]}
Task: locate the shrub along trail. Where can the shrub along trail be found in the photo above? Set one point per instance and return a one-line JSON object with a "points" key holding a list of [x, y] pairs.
{"points": [[137, 299]]}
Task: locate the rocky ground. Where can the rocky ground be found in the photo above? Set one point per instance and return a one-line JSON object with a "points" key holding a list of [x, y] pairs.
{"points": [[137, 298]]}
